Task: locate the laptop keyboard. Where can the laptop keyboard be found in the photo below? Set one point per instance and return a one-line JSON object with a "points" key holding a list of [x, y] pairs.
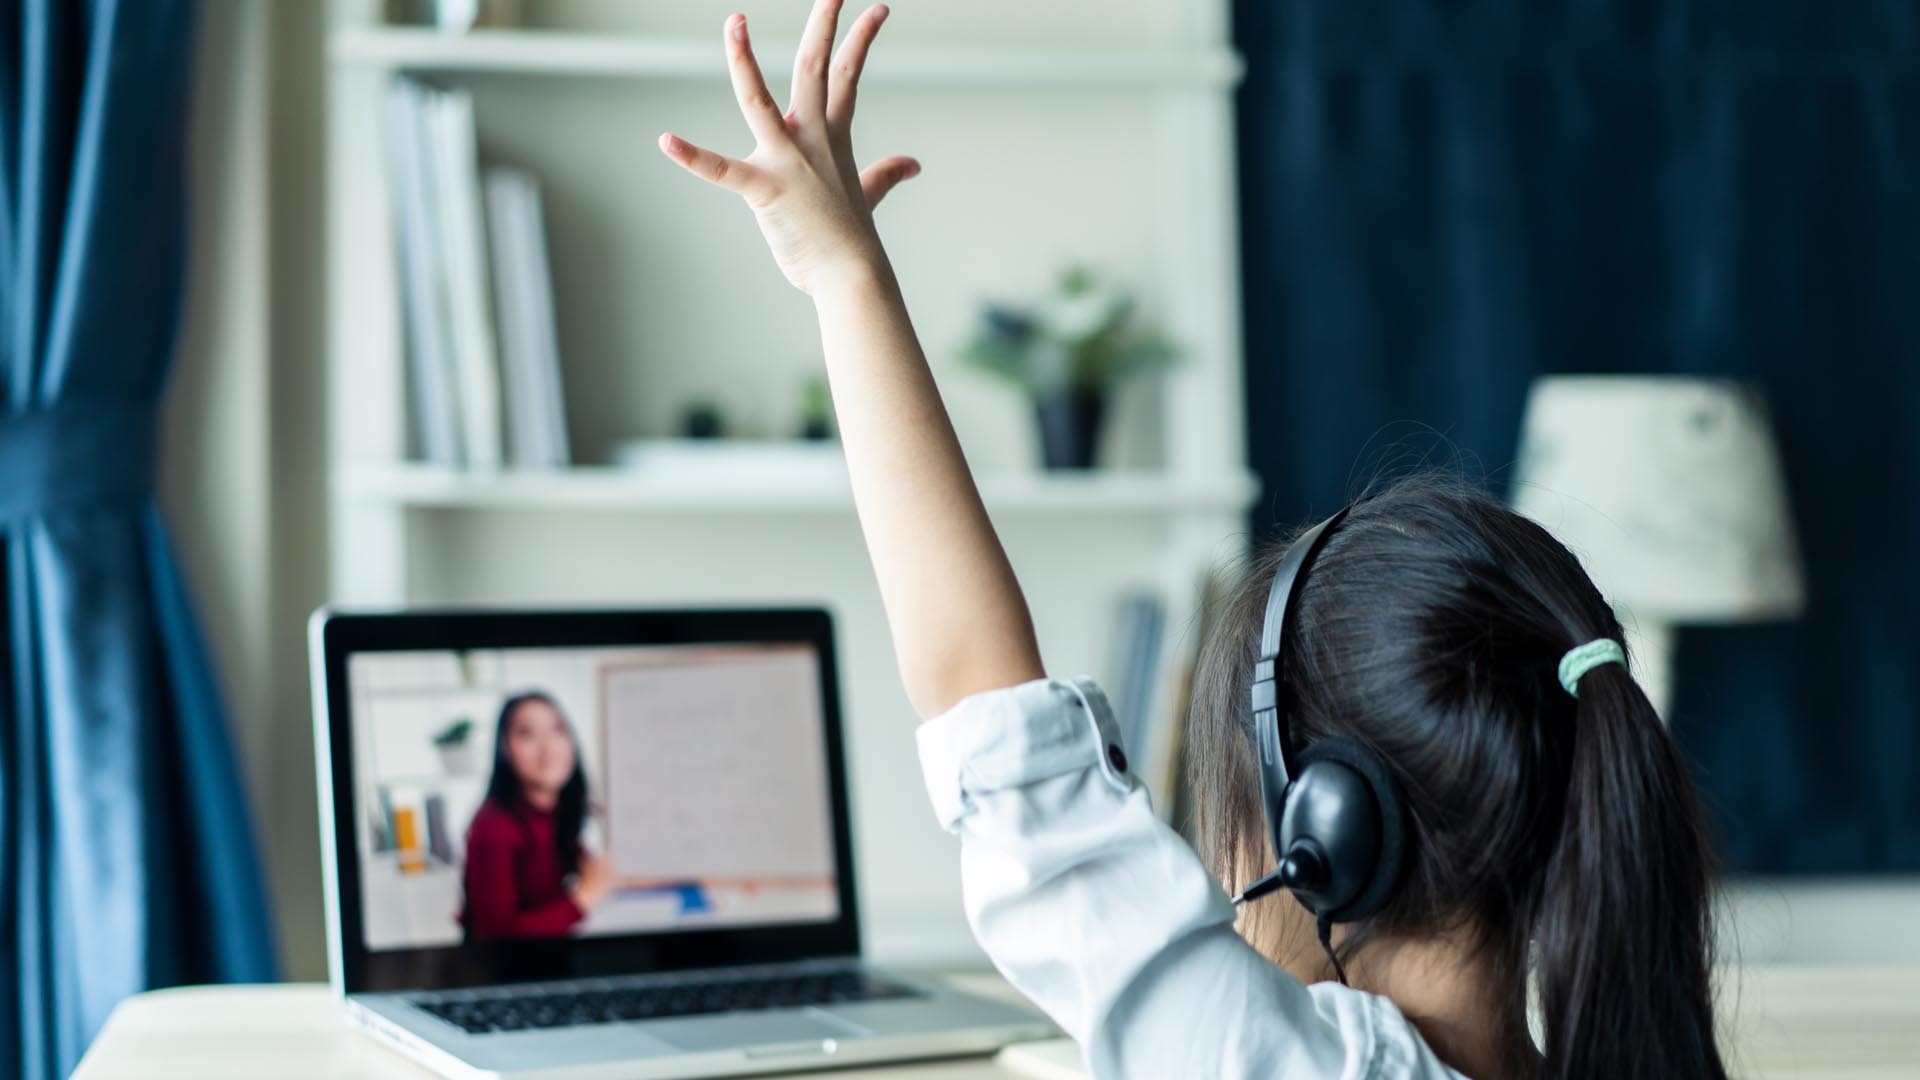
{"points": [[523, 1008]]}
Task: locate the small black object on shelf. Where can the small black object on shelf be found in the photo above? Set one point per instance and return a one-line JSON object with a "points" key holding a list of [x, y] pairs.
{"points": [[703, 420], [816, 411], [1070, 422]]}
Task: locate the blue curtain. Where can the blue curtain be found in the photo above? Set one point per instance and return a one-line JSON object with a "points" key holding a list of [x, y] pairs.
{"points": [[1446, 198], [127, 860]]}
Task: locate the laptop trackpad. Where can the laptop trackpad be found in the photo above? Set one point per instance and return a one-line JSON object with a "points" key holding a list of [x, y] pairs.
{"points": [[748, 1029]]}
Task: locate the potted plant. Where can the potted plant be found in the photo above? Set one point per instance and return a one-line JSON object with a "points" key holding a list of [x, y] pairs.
{"points": [[454, 742], [1068, 353]]}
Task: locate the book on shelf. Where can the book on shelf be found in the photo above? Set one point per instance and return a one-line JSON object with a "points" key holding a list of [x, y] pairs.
{"points": [[464, 249], [529, 343], [1137, 633], [1214, 589], [439, 838], [1152, 687], [430, 367], [482, 351]]}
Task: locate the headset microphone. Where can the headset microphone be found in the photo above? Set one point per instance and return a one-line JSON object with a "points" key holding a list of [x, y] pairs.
{"points": [[1302, 870]]}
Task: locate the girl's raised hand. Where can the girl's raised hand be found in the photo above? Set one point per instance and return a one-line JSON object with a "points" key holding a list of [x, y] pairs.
{"points": [[813, 204]]}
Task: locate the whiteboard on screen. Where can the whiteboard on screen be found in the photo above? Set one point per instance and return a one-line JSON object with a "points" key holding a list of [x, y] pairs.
{"points": [[716, 766]]}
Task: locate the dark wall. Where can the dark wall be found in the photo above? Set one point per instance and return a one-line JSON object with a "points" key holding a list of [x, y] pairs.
{"points": [[1443, 199]]}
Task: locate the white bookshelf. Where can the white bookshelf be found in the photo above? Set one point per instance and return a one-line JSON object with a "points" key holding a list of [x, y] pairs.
{"points": [[627, 56], [612, 488], [1096, 130]]}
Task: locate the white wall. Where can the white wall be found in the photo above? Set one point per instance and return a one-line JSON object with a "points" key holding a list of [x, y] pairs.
{"points": [[214, 482], [240, 478]]}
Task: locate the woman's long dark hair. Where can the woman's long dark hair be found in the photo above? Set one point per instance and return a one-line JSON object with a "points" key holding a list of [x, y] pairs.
{"points": [[1559, 833], [503, 788]]}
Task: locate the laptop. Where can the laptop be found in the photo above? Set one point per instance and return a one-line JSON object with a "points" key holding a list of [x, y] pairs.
{"points": [[605, 844]]}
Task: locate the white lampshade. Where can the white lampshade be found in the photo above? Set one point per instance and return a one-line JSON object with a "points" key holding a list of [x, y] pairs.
{"points": [[1669, 489]]}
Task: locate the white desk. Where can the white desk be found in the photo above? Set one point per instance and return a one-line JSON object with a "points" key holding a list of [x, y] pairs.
{"points": [[1805, 1023], [1821, 1023], [295, 1031]]}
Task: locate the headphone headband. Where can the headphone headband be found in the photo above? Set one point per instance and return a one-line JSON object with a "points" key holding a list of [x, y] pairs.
{"points": [[1272, 719]]}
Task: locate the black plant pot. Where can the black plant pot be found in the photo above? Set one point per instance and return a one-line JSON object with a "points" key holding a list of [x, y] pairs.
{"points": [[1069, 427]]}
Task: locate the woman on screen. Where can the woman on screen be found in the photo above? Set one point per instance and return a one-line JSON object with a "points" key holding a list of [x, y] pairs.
{"points": [[526, 874]]}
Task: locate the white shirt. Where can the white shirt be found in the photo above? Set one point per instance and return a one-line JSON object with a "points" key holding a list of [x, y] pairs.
{"points": [[1106, 919]]}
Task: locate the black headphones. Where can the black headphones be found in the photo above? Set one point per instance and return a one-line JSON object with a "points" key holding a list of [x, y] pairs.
{"points": [[1333, 810]]}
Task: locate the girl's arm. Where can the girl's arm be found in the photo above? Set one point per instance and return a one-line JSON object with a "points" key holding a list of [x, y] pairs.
{"points": [[959, 622]]}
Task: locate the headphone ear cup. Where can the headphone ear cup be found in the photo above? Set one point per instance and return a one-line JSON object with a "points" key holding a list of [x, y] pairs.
{"points": [[1346, 803]]}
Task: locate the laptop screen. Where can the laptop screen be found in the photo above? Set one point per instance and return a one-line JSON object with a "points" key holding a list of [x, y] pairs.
{"points": [[580, 792]]}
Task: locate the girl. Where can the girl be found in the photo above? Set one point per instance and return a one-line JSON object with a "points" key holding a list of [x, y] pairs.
{"points": [[1550, 834], [526, 874]]}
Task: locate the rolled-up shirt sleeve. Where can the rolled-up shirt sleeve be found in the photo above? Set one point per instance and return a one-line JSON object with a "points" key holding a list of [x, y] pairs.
{"points": [[1103, 916]]}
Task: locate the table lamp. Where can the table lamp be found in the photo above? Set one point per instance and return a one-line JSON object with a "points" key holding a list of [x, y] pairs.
{"points": [[1669, 490]]}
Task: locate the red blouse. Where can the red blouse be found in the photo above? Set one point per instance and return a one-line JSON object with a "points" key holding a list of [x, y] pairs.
{"points": [[515, 887]]}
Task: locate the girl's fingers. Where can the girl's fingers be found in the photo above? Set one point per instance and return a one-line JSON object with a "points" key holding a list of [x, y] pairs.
{"points": [[809, 98], [749, 181], [852, 59], [880, 177], [749, 86]]}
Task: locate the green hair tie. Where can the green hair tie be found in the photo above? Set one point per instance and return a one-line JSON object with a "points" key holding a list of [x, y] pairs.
{"points": [[1584, 658]]}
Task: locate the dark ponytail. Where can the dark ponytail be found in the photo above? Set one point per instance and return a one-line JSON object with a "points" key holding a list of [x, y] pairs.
{"points": [[1622, 933], [1560, 833]]}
